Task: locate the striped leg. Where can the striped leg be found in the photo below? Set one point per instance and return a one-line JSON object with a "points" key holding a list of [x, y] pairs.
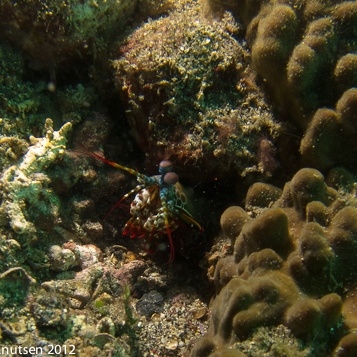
{"points": [[134, 190]]}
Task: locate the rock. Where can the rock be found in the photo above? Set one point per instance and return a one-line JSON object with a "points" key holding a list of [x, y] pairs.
{"points": [[149, 304]]}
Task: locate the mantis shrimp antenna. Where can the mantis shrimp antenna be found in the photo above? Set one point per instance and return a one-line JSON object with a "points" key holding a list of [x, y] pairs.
{"points": [[118, 166]]}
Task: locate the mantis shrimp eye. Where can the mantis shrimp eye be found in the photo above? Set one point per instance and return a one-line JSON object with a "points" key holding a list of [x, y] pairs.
{"points": [[170, 178], [165, 166]]}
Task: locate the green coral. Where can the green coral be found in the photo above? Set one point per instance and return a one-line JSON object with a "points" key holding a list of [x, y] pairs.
{"points": [[185, 65], [14, 289], [24, 105], [75, 102], [129, 327], [26, 194], [63, 29], [90, 16], [19, 99], [189, 89]]}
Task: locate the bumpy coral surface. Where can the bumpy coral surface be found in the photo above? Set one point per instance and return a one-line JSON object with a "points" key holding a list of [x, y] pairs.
{"points": [[191, 97], [293, 263], [330, 137], [305, 51]]}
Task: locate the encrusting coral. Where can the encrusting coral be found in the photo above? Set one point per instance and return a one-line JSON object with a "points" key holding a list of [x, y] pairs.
{"points": [[24, 187], [293, 263], [191, 96]]}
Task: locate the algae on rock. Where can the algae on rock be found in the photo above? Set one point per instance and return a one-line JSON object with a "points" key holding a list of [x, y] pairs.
{"points": [[25, 189]]}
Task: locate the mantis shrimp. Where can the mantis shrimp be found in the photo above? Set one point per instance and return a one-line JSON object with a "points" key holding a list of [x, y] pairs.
{"points": [[159, 204]]}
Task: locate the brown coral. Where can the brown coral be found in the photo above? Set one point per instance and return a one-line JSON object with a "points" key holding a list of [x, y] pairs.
{"points": [[305, 52], [308, 38], [232, 221], [288, 266], [330, 137]]}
